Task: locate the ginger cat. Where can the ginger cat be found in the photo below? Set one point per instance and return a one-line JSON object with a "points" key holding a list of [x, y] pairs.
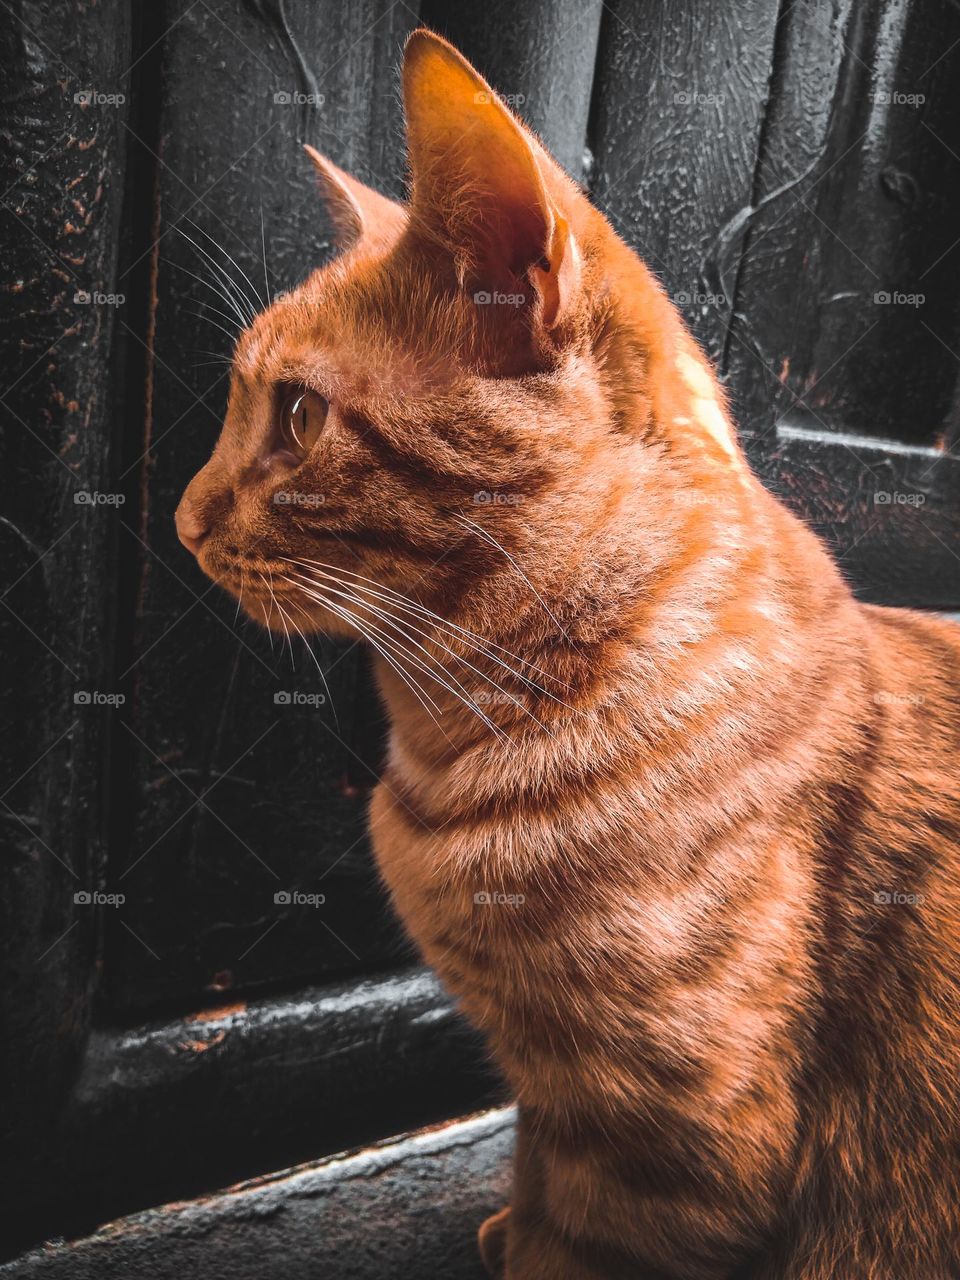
{"points": [[675, 817]]}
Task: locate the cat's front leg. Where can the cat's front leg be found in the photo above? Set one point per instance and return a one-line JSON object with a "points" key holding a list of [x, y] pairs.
{"points": [[520, 1242]]}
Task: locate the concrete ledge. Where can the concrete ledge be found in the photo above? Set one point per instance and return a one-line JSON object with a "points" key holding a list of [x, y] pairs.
{"points": [[406, 1208]]}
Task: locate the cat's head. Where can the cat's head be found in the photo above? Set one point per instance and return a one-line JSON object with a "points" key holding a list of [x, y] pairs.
{"points": [[454, 375]]}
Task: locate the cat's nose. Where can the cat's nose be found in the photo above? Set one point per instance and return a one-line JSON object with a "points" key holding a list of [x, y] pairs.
{"points": [[191, 530]]}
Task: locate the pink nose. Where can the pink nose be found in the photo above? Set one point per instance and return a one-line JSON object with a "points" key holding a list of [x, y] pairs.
{"points": [[190, 529]]}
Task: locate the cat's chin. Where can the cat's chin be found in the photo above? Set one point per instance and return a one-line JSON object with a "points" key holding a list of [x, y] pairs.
{"points": [[285, 616]]}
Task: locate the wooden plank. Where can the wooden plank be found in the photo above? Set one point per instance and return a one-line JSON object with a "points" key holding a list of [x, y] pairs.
{"points": [[205, 1099], [409, 1207], [244, 86], [887, 511], [61, 179], [678, 112], [856, 194], [539, 55]]}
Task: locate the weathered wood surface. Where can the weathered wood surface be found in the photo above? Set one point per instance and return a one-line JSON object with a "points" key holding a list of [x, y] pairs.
{"points": [[407, 1209], [185, 1105], [62, 155], [681, 92]]}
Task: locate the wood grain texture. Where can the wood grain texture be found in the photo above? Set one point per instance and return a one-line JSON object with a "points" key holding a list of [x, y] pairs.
{"points": [[61, 177], [851, 218], [205, 1099], [677, 117], [409, 1207]]}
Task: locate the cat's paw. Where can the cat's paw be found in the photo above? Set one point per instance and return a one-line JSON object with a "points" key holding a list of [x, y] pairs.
{"points": [[492, 1241]]}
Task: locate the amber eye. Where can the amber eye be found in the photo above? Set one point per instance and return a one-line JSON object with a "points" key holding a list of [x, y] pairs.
{"points": [[302, 417]]}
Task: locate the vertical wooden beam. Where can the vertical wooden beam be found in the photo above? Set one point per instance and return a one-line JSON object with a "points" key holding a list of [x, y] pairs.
{"points": [[61, 181]]}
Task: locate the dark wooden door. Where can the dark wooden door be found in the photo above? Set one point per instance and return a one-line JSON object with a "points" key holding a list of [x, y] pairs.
{"points": [[179, 1006]]}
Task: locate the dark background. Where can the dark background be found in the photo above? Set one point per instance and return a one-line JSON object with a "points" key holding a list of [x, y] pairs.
{"points": [[791, 170]]}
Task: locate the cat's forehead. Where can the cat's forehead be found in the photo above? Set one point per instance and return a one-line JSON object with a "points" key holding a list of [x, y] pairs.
{"points": [[369, 335]]}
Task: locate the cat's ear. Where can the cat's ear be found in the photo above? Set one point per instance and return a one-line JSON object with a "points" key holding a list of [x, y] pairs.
{"points": [[357, 211], [481, 181]]}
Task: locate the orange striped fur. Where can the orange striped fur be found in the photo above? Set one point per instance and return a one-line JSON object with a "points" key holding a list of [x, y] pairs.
{"points": [[673, 815]]}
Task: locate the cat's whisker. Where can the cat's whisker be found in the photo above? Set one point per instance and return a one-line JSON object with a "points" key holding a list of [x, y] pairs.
{"points": [[342, 611], [267, 616], [266, 621], [469, 643], [243, 302], [231, 259], [230, 319], [481, 643], [219, 283], [489, 538], [231, 334], [408, 631], [213, 287], [460, 693], [416, 689], [263, 249], [283, 623], [313, 655]]}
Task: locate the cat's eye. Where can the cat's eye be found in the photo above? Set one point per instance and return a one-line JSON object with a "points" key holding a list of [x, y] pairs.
{"points": [[303, 414]]}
